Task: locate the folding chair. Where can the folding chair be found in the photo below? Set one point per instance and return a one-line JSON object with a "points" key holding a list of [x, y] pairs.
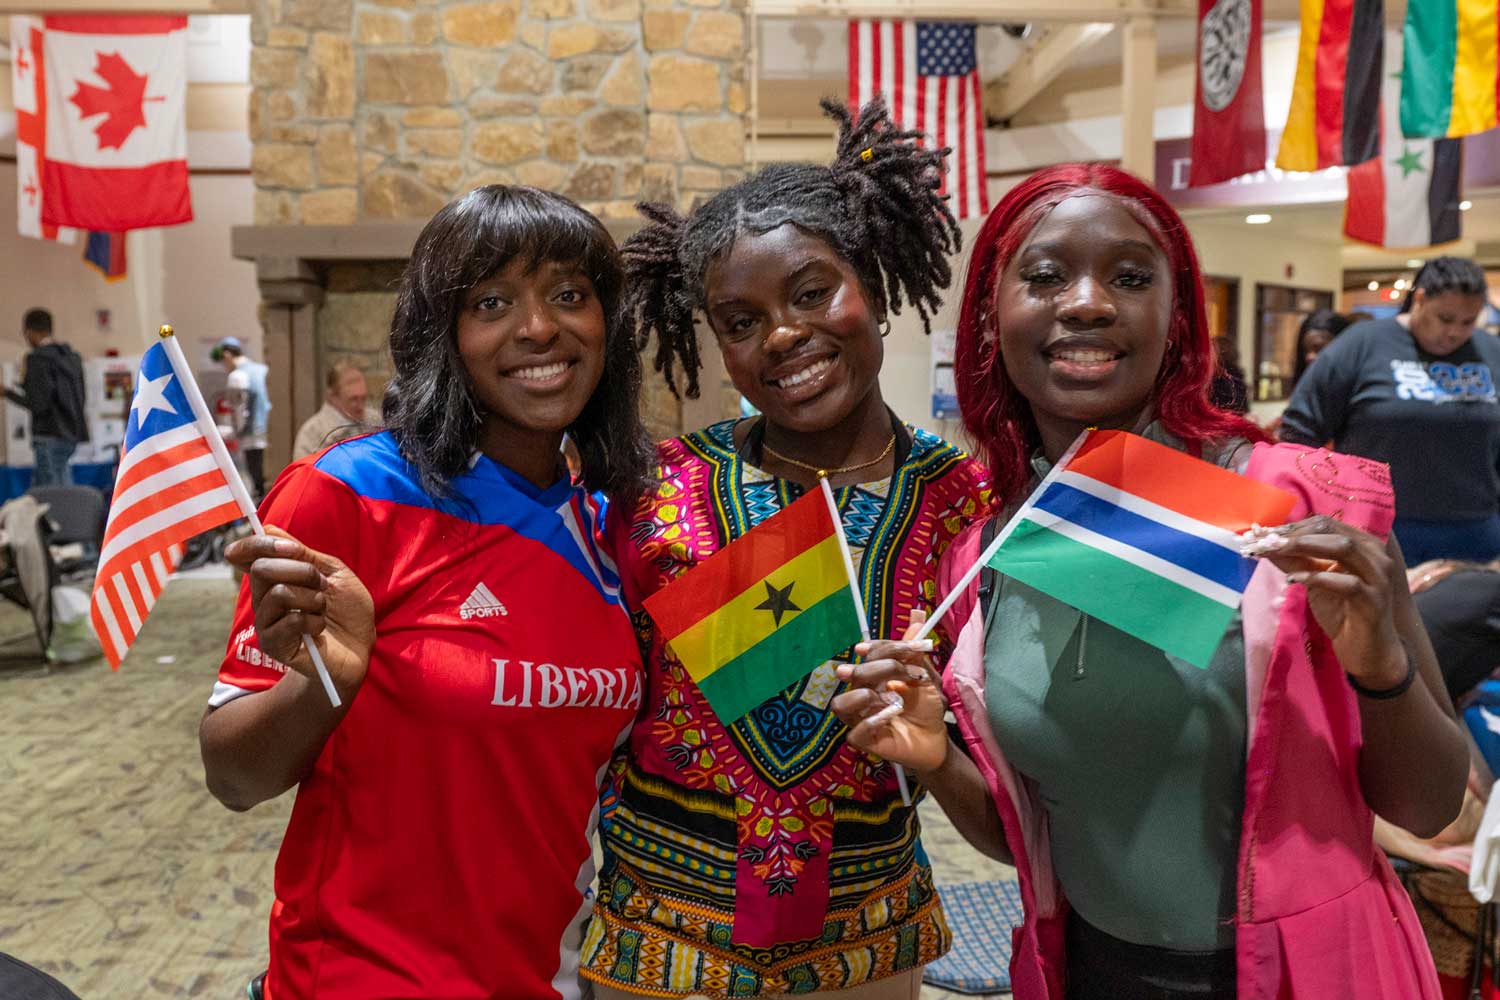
{"points": [[77, 514]]}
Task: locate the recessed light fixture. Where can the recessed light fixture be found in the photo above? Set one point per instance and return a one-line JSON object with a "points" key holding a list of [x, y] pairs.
{"points": [[1373, 286], [1414, 263], [1393, 295], [1399, 284], [1257, 219], [1465, 205]]}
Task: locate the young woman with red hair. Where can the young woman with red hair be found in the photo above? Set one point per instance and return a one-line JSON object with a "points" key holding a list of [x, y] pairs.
{"points": [[1179, 832]]}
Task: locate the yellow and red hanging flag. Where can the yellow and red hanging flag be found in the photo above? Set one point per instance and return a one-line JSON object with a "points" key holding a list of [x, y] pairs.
{"points": [[1334, 118], [765, 610]]}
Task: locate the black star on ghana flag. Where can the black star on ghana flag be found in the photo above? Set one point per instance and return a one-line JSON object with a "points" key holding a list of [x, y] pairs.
{"points": [[778, 601], [1410, 161]]}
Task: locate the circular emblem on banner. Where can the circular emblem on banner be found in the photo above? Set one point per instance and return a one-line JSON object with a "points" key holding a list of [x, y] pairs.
{"points": [[1223, 41]]}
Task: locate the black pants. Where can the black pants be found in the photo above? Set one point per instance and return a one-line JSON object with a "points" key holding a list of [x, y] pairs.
{"points": [[1102, 967], [255, 464]]}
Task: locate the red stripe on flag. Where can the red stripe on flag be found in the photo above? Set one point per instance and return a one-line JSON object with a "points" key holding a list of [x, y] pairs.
{"points": [[878, 28], [115, 24], [856, 64], [1329, 79], [160, 462], [85, 197], [961, 154], [1178, 482], [179, 531], [163, 499], [979, 165], [898, 74], [741, 564], [1364, 210], [940, 132]]}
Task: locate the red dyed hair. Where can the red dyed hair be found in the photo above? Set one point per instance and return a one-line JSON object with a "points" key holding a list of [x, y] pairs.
{"points": [[996, 415]]}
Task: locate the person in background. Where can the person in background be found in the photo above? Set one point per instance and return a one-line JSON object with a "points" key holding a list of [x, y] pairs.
{"points": [[1417, 392], [1460, 605], [1179, 833], [1227, 391], [247, 389], [345, 411], [1316, 332], [52, 391]]}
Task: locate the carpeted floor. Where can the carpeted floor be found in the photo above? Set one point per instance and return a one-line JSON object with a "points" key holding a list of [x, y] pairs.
{"points": [[122, 876]]}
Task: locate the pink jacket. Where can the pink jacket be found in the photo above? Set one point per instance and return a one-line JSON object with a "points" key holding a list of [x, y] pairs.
{"points": [[1321, 915]]}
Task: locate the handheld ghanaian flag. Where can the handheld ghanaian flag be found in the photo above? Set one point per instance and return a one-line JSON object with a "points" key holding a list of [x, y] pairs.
{"points": [[765, 610], [1141, 537], [1449, 82]]}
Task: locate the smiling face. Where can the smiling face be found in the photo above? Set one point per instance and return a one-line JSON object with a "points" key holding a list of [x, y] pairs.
{"points": [[1443, 323], [1084, 309], [799, 336], [532, 342]]}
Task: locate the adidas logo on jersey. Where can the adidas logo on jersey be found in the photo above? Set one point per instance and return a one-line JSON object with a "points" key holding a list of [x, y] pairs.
{"points": [[481, 604]]}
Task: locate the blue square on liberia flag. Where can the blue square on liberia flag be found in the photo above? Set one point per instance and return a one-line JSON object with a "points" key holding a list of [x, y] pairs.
{"points": [[945, 48], [159, 404]]}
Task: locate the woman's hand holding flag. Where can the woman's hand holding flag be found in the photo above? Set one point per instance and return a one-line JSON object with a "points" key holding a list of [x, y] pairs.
{"points": [[894, 706]]}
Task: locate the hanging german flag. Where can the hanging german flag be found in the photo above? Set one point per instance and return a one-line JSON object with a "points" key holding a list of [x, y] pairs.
{"points": [[1334, 118], [764, 611]]}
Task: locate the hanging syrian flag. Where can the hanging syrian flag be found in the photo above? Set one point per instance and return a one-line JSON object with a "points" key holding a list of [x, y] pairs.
{"points": [[105, 253], [765, 610], [1229, 127], [1450, 84], [1334, 118], [116, 95], [28, 87], [1408, 197], [1141, 537]]}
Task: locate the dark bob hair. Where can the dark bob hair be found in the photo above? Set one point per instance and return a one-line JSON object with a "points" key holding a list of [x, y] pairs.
{"points": [[996, 415], [431, 407]]}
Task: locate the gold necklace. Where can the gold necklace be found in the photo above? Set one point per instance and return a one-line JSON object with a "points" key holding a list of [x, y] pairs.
{"points": [[825, 473]]}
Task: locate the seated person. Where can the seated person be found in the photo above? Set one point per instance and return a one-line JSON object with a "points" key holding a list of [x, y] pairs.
{"points": [[345, 412], [1460, 604]]}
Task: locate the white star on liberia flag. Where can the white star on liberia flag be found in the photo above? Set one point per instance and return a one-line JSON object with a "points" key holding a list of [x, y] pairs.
{"points": [[151, 395]]}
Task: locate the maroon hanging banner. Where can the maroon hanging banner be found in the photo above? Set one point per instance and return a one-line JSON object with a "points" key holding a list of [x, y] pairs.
{"points": [[1229, 122]]}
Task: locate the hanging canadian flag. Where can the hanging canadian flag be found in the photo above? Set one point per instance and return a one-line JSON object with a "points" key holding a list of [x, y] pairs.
{"points": [[116, 96], [26, 83]]}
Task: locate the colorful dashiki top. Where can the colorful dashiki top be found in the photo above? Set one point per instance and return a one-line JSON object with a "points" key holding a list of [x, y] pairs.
{"points": [[769, 856]]}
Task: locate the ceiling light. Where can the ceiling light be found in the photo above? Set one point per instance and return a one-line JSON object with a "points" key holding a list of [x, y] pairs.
{"points": [[1257, 219], [1373, 286], [1394, 295], [1399, 284], [1465, 205], [1414, 263]]}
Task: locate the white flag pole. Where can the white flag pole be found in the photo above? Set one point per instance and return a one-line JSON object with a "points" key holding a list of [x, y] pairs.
{"points": [[1057, 469], [859, 601], [210, 430]]}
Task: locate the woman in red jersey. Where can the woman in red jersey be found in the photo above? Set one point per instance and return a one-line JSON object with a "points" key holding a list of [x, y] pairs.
{"points": [[440, 841]]}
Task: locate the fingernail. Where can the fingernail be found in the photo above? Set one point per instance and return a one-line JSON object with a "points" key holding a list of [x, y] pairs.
{"points": [[1296, 577], [922, 646], [844, 671], [915, 674], [862, 648], [284, 546]]}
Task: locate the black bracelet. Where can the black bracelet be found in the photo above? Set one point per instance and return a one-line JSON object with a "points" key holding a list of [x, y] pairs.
{"points": [[1386, 694]]}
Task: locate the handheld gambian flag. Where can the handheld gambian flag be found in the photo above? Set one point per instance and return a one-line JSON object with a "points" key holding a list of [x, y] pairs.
{"points": [[1141, 537], [765, 610]]}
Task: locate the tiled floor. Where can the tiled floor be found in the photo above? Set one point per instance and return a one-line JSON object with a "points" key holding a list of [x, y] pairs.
{"points": [[122, 877]]}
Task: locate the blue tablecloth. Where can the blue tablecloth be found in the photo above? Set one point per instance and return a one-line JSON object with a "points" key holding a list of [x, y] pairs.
{"points": [[15, 480]]}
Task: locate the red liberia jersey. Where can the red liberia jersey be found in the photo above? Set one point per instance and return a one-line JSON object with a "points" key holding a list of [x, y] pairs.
{"points": [[441, 845]]}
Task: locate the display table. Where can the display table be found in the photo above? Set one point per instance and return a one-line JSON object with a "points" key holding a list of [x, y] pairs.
{"points": [[15, 479]]}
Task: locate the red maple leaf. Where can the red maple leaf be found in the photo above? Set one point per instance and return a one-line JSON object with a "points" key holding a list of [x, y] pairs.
{"points": [[121, 102]]}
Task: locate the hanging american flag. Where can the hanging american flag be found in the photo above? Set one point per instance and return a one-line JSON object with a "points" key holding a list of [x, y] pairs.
{"points": [[174, 482], [929, 75]]}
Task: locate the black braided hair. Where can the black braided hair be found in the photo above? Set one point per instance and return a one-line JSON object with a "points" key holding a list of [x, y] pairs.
{"points": [[877, 205], [1447, 274]]}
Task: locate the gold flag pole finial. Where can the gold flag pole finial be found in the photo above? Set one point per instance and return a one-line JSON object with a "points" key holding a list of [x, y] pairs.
{"points": [[164, 331]]}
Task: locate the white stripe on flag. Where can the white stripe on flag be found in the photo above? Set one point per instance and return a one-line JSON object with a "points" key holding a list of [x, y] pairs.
{"points": [[111, 624], [1129, 553], [887, 58], [164, 519], [950, 136], [159, 482], [155, 445], [909, 115], [867, 34], [159, 568], [127, 604], [1153, 512], [973, 142]]}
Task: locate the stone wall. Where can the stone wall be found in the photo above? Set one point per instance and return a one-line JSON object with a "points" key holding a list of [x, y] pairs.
{"points": [[371, 110], [386, 109]]}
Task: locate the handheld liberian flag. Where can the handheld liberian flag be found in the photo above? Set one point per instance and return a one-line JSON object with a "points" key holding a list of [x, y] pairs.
{"points": [[173, 483], [1141, 537], [929, 75]]}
